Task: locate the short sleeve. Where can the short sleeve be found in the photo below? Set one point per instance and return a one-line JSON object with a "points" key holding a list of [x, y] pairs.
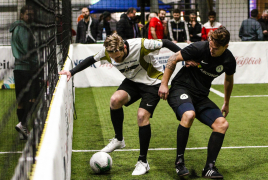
{"points": [[101, 55], [190, 52], [231, 66], [153, 22]]}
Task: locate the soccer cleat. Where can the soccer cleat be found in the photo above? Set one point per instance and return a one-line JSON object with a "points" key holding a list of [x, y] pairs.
{"points": [[141, 168], [211, 172], [114, 144], [22, 129], [181, 170]]}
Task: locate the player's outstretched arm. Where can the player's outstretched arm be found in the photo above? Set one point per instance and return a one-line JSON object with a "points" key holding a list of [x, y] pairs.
{"points": [[170, 67], [81, 66], [170, 45], [228, 87]]}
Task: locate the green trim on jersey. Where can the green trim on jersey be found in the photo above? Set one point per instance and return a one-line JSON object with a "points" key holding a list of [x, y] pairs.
{"points": [[106, 57], [151, 71]]}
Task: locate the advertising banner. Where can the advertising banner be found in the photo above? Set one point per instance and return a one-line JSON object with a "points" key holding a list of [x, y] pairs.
{"points": [[251, 59]]}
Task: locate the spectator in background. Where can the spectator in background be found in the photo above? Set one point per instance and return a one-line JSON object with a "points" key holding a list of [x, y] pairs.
{"points": [[158, 26], [127, 27], [178, 30], [194, 28], [211, 25], [26, 64], [87, 28], [250, 29], [104, 24], [264, 24], [146, 27]]}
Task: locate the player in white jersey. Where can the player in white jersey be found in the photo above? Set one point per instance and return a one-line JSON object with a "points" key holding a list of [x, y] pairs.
{"points": [[134, 59]]}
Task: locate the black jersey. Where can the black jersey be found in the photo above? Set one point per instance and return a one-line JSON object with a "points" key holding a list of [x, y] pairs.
{"points": [[198, 79]]}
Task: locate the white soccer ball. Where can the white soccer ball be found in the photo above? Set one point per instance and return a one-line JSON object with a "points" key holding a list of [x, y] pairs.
{"points": [[101, 162]]}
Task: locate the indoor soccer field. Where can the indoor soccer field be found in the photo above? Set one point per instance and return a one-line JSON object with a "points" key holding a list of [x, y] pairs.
{"points": [[243, 155]]}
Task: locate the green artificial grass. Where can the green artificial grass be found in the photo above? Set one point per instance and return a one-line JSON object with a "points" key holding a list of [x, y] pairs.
{"points": [[247, 127]]}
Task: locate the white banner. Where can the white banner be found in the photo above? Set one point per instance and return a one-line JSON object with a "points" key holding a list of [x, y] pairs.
{"points": [[53, 159], [251, 58], [7, 61]]}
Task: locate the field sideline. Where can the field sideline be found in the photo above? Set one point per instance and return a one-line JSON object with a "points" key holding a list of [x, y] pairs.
{"points": [[243, 156]]}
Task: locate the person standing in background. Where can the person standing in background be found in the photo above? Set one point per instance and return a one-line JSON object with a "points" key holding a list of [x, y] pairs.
{"points": [[264, 24], [250, 29], [158, 26], [178, 30], [210, 26], [194, 28], [104, 24], [127, 27], [146, 27], [87, 28], [26, 64]]}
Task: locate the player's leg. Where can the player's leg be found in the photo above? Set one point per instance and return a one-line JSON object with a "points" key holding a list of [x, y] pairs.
{"points": [[21, 81], [214, 119], [126, 94], [142, 165], [148, 104], [181, 102]]}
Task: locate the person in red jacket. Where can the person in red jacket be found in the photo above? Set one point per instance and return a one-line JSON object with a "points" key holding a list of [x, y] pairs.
{"points": [[211, 25], [158, 26]]}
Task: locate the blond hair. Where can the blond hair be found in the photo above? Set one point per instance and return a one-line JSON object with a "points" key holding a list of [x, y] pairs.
{"points": [[114, 43]]}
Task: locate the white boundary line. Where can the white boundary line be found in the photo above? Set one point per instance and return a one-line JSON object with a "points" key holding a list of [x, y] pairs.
{"points": [[14, 152], [169, 149], [252, 96], [222, 95], [217, 92]]}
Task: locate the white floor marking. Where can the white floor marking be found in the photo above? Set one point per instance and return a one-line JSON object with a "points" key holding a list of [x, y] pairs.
{"points": [[222, 95], [217, 92], [252, 96], [169, 149], [16, 152]]}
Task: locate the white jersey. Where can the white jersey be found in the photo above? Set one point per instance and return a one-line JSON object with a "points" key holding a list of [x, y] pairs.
{"points": [[140, 65]]}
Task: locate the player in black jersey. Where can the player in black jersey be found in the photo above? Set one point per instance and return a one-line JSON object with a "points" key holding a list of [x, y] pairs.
{"points": [[188, 95]]}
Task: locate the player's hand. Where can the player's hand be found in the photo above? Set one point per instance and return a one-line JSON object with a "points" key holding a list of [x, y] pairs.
{"points": [[225, 109], [64, 72], [191, 63], [163, 92]]}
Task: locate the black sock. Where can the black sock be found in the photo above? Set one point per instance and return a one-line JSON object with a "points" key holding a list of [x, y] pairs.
{"points": [[117, 117], [214, 147], [182, 139], [21, 116], [145, 136]]}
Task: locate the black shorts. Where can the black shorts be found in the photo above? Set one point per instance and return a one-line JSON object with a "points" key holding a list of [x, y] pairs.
{"points": [[148, 94], [206, 110], [21, 78]]}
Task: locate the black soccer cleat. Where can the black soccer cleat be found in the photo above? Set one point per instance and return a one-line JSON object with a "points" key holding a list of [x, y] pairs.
{"points": [[211, 172], [181, 170]]}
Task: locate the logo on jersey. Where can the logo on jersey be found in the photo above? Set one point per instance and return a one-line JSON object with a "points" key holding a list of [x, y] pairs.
{"points": [[184, 96], [219, 68], [203, 62]]}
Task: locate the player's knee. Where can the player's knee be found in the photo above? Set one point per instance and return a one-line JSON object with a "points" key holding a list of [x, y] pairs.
{"points": [[143, 118], [188, 118], [115, 102], [220, 125]]}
